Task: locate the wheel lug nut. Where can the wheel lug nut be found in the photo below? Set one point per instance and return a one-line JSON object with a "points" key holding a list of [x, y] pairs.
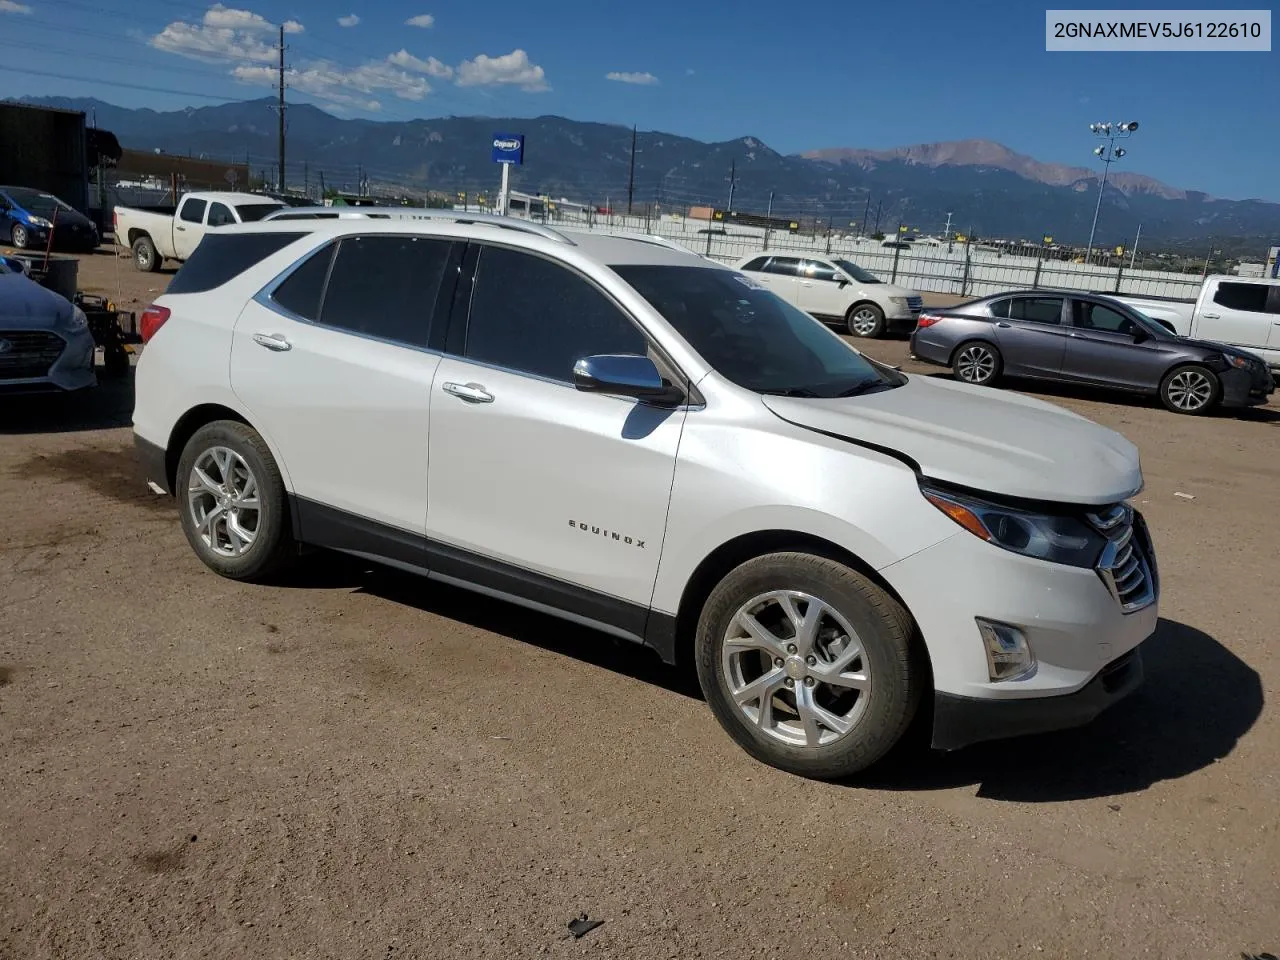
{"points": [[790, 682], [779, 663], [811, 660], [791, 648], [809, 681]]}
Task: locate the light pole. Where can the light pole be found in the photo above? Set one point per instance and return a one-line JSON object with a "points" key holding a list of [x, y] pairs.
{"points": [[1108, 153]]}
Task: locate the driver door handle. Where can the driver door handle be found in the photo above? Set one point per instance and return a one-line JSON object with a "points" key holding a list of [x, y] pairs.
{"points": [[1006, 326], [470, 392], [1211, 316], [272, 341]]}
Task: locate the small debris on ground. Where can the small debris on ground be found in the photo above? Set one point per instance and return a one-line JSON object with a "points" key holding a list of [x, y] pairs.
{"points": [[581, 926], [1184, 496]]}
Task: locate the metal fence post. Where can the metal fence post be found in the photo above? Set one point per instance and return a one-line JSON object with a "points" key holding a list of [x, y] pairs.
{"points": [[1119, 274], [897, 252], [964, 281], [1035, 283]]}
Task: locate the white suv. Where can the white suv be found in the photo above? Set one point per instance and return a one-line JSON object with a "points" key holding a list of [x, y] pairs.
{"points": [[838, 291], [635, 438]]}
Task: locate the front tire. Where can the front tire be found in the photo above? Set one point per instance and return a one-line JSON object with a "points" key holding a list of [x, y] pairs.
{"points": [[865, 320], [808, 665], [1190, 389], [145, 257], [233, 504], [977, 362], [18, 237]]}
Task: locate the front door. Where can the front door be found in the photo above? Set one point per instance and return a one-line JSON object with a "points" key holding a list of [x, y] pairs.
{"points": [[337, 374], [1102, 349], [1236, 313], [1031, 335], [820, 291], [536, 489]]}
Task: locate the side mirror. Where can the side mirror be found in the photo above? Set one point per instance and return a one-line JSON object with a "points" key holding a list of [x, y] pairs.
{"points": [[842, 280], [1140, 335], [627, 375]]}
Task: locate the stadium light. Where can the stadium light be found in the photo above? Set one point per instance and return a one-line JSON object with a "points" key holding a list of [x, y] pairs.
{"points": [[1108, 153]]}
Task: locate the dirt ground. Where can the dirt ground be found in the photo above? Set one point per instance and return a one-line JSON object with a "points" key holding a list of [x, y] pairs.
{"points": [[365, 765]]}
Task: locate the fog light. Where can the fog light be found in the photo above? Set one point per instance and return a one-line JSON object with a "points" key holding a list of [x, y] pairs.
{"points": [[1009, 655]]}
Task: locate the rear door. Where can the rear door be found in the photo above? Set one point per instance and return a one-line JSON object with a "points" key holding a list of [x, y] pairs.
{"points": [[781, 276], [334, 360], [1273, 337], [1031, 334], [188, 226], [1102, 349], [1235, 312]]}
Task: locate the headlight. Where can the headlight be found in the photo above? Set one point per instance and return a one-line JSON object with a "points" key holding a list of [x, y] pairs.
{"points": [[898, 301], [78, 321], [1058, 538], [1244, 363], [39, 222]]}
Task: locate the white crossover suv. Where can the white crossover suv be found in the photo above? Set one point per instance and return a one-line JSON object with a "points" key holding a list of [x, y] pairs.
{"points": [[838, 291], [638, 439]]}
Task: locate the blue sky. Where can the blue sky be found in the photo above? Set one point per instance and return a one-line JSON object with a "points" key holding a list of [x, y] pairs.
{"points": [[796, 76]]}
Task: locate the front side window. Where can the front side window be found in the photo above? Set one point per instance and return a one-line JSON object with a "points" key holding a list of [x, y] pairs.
{"points": [[385, 287], [534, 316], [1250, 297], [784, 266], [192, 211], [755, 265], [220, 215], [817, 270], [1094, 316], [753, 337], [855, 271]]}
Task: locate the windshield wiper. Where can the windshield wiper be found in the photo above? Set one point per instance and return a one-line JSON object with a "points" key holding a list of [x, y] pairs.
{"points": [[792, 392], [866, 386]]}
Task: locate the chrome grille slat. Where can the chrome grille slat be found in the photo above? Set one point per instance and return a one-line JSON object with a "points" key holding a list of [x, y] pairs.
{"points": [[28, 353], [1126, 567]]}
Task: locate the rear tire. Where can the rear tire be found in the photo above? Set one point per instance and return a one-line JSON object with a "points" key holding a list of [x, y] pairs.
{"points": [[977, 362], [145, 257], [865, 320], [1190, 389], [18, 237], [233, 504], [846, 691]]}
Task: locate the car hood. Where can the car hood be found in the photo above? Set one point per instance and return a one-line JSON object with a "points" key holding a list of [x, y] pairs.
{"points": [[25, 305], [1216, 346], [886, 290], [66, 218], [971, 436]]}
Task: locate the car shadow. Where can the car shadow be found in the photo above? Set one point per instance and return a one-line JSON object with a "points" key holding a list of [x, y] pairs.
{"points": [[108, 406], [1196, 702]]}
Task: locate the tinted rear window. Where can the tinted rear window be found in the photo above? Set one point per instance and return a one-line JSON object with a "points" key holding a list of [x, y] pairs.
{"points": [[221, 256]]}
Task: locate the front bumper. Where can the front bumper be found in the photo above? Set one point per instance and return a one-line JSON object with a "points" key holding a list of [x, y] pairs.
{"points": [[24, 369], [962, 721], [1245, 388], [1072, 623]]}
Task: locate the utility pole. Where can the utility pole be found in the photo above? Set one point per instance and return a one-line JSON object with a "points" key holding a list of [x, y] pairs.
{"points": [[280, 109], [946, 231], [733, 183], [631, 180], [1134, 255], [879, 207], [768, 216], [866, 214], [306, 180]]}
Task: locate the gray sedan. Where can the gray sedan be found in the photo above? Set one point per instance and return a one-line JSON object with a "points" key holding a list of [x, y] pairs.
{"points": [[1088, 339]]}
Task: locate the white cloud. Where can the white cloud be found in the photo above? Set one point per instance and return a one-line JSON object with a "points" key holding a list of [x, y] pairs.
{"points": [[350, 20], [202, 42], [423, 20], [9, 6], [292, 26], [220, 16], [641, 79], [335, 83], [430, 66], [510, 69]]}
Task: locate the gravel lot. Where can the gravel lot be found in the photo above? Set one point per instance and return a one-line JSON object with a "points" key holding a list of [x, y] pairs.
{"points": [[365, 765]]}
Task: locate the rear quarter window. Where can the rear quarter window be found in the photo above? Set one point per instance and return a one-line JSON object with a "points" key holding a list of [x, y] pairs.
{"points": [[219, 257]]}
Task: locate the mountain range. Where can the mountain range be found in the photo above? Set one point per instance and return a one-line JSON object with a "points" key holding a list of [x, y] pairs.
{"points": [[986, 188]]}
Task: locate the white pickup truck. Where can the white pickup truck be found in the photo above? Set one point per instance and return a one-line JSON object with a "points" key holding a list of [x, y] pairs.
{"points": [[1241, 311], [156, 236]]}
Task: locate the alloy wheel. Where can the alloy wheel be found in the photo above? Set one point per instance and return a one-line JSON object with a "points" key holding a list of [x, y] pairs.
{"points": [[976, 364], [1190, 390], [796, 669], [865, 321], [222, 495]]}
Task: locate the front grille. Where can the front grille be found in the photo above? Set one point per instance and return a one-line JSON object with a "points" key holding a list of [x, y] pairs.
{"points": [[915, 304], [28, 353], [1127, 565]]}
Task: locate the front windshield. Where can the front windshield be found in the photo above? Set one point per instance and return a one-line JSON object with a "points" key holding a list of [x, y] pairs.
{"points": [[855, 271], [751, 336], [37, 203], [249, 212]]}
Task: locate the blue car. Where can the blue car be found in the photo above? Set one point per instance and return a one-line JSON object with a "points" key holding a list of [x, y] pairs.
{"points": [[27, 216], [45, 341]]}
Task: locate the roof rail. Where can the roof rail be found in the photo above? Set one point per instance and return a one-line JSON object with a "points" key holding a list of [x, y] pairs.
{"points": [[417, 213]]}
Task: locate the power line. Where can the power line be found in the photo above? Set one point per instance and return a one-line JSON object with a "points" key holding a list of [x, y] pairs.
{"points": [[117, 83]]}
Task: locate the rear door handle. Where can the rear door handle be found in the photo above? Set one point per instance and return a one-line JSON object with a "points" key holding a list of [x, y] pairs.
{"points": [[272, 341], [1211, 316], [470, 392], [180, 228]]}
